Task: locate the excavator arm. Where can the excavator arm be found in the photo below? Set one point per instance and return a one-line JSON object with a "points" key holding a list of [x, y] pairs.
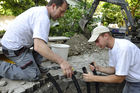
{"points": [[129, 21]]}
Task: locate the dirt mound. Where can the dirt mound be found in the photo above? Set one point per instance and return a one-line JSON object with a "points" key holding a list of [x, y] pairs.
{"points": [[79, 45]]}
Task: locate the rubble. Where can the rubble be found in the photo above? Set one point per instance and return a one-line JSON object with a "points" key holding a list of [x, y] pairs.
{"points": [[79, 45], [3, 83]]}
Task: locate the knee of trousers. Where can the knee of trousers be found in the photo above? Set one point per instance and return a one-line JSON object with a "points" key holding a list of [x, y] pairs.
{"points": [[32, 75]]}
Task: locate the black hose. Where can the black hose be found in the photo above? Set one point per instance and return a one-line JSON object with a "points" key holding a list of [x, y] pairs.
{"points": [[76, 84], [96, 83], [87, 83], [54, 83]]}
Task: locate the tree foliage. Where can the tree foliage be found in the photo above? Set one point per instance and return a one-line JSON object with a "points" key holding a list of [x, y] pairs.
{"points": [[69, 24], [135, 7], [15, 7], [112, 13]]}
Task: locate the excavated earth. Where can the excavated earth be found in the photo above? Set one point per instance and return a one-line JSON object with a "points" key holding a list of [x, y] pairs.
{"points": [[79, 46]]}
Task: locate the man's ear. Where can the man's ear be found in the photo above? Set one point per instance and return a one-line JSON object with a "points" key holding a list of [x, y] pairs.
{"points": [[53, 6], [106, 35]]}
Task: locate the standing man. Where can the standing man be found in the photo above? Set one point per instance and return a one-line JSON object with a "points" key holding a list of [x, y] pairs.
{"points": [[31, 28], [124, 61]]}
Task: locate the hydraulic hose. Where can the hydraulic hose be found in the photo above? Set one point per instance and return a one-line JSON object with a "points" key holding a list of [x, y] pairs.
{"points": [[54, 83], [87, 83], [76, 84], [96, 83]]}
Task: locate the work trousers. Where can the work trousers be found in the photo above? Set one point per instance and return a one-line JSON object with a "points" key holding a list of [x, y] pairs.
{"points": [[26, 67], [132, 87]]}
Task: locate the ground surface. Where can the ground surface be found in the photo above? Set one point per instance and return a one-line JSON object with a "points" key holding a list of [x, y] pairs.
{"points": [[81, 53]]}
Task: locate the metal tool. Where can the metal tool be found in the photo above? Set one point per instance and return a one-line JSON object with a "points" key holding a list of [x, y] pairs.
{"points": [[83, 22], [87, 83]]}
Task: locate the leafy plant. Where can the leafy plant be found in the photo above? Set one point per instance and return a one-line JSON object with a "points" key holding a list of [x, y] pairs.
{"points": [[69, 24], [112, 13], [15, 7], [135, 7]]}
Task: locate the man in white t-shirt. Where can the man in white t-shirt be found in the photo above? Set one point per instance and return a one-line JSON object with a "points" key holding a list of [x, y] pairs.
{"points": [[124, 61], [31, 28]]}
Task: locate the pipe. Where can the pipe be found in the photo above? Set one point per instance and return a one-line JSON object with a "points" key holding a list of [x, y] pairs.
{"points": [[50, 77], [76, 84], [96, 83], [87, 83]]}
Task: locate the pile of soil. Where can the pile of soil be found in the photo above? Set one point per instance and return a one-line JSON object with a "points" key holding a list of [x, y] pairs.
{"points": [[79, 45]]}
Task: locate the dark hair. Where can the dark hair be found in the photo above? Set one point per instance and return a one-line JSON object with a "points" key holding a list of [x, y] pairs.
{"points": [[57, 2]]}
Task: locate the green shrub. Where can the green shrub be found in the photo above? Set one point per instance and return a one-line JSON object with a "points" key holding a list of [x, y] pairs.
{"points": [[69, 24], [16, 7]]}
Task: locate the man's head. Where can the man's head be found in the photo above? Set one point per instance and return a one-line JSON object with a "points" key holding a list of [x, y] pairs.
{"points": [[100, 35], [57, 8]]}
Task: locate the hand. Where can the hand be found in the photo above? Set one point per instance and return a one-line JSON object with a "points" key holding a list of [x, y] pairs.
{"points": [[67, 69], [94, 67], [88, 77]]}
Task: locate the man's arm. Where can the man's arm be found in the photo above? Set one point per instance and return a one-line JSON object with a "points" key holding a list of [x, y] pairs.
{"points": [[42, 48], [107, 70], [106, 79]]}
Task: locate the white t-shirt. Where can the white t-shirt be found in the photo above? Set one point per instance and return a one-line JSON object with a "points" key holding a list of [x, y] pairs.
{"points": [[125, 57], [33, 23]]}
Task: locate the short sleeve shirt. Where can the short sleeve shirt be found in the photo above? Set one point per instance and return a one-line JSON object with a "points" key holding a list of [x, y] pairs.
{"points": [[125, 57], [33, 23]]}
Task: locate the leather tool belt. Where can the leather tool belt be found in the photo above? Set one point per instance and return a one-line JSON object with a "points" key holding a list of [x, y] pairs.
{"points": [[16, 52]]}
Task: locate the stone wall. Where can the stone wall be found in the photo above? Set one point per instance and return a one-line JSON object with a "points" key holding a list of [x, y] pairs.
{"points": [[68, 86]]}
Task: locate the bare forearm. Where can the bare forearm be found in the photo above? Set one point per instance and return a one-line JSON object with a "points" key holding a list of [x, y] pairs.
{"points": [[42, 48], [107, 70], [108, 79], [46, 52]]}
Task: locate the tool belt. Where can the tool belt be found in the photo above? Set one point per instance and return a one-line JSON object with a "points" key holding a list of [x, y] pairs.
{"points": [[16, 52]]}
